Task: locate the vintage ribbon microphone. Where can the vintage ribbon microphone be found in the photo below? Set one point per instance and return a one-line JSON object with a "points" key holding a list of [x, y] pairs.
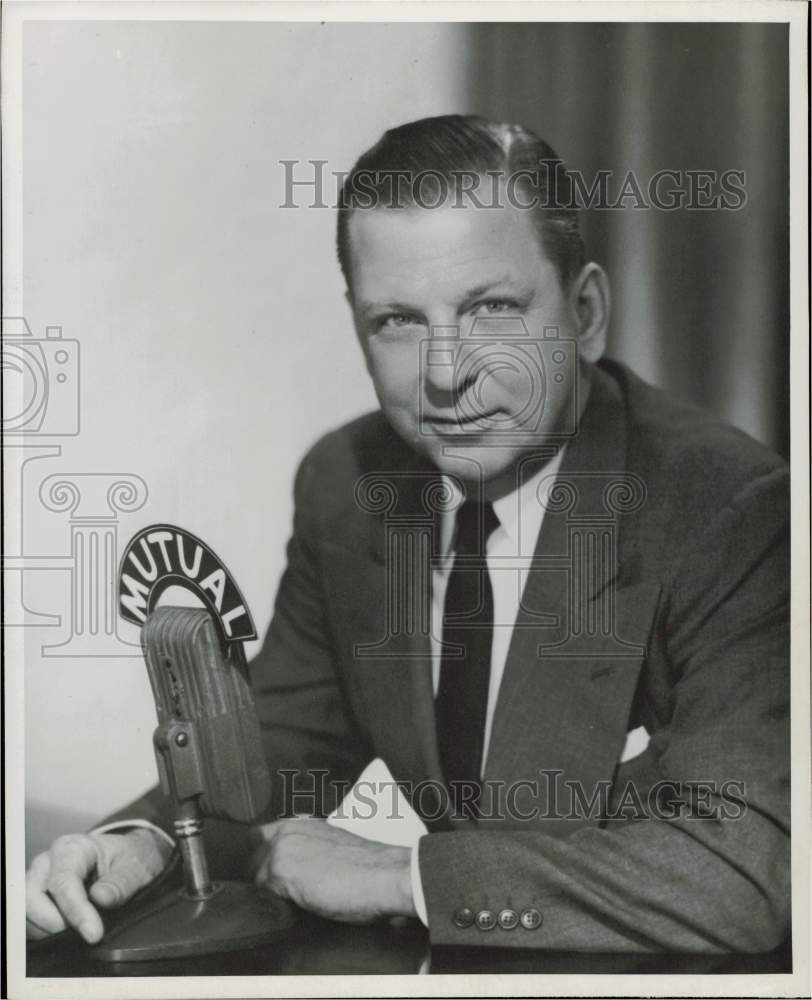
{"points": [[207, 745]]}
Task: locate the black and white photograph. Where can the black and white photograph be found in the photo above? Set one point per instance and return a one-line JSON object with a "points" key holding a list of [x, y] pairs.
{"points": [[406, 499]]}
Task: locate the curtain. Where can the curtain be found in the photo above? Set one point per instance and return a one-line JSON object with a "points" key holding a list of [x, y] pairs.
{"points": [[700, 296]]}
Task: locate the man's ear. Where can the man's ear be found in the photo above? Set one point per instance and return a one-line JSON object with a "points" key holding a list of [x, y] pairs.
{"points": [[590, 302], [359, 333]]}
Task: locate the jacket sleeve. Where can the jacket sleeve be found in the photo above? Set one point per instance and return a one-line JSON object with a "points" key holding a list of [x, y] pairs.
{"points": [[311, 744], [685, 883]]}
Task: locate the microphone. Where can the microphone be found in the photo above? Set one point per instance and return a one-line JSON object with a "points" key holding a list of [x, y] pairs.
{"points": [[207, 746], [207, 742]]}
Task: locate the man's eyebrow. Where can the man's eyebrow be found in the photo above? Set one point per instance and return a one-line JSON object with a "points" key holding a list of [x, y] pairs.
{"points": [[369, 308], [505, 282]]}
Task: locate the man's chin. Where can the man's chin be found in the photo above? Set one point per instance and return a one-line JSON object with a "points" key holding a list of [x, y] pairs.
{"points": [[475, 464]]}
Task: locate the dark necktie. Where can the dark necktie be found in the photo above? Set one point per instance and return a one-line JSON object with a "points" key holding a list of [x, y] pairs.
{"points": [[462, 696]]}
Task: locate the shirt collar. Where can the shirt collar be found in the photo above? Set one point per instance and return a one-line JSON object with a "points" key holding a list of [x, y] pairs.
{"points": [[520, 513]]}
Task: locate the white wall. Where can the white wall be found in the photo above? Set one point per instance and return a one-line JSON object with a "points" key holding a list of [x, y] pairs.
{"points": [[215, 342]]}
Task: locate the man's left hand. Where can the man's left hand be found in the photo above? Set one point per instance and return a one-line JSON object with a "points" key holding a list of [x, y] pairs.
{"points": [[333, 873]]}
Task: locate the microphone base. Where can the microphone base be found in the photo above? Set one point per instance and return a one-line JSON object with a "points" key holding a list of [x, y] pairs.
{"points": [[176, 925]]}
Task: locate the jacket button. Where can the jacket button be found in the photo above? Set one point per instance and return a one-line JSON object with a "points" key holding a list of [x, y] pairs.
{"points": [[531, 919], [508, 919], [485, 920], [463, 917]]}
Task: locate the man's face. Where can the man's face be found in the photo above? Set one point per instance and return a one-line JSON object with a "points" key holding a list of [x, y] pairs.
{"points": [[468, 335]]}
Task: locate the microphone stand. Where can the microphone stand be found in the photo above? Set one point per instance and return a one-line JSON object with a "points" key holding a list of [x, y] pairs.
{"points": [[204, 916]]}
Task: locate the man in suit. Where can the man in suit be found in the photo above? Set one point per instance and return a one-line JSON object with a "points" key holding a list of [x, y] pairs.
{"points": [[553, 600]]}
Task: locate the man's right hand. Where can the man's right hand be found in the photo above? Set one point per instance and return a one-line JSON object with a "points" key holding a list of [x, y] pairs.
{"points": [[83, 873]]}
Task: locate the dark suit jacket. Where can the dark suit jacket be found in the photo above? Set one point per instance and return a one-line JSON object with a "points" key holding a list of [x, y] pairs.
{"points": [[678, 621]]}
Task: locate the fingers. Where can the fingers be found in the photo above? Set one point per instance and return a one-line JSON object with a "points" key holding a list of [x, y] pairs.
{"points": [[120, 884], [33, 932], [42, 918], [107, 893], [261, 864], [285, 848], [118, 865], [72, 859], [127, 862], [266, 832]]}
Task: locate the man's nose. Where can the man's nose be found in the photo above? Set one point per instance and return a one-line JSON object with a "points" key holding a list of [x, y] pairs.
{"points": [[442, 370]]}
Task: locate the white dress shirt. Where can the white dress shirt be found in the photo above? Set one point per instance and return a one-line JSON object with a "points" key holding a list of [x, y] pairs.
{"points": [[509, 552]]}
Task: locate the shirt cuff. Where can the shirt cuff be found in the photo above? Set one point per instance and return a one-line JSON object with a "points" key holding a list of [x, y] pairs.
{"points": [[122, 825], [418, 898]]}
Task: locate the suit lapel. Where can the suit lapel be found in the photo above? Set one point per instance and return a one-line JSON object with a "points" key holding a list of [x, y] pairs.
{"points": [[390, 641], [567, 688]]}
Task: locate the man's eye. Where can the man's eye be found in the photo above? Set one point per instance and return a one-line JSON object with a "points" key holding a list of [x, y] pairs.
{"points": [[397, 321], [491, 306]]}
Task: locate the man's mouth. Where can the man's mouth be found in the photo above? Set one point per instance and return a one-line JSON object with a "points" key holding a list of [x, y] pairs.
{"points": [[464, 420]]}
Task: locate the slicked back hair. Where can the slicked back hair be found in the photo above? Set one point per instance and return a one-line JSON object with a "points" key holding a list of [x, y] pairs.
{"points": [[466, 159]]}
